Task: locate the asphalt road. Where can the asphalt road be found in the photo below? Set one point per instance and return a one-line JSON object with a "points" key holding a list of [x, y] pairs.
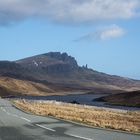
{"points": [[18, 125]]}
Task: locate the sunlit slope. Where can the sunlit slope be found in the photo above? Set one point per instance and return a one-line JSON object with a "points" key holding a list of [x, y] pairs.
{"points": [[11, 86]]}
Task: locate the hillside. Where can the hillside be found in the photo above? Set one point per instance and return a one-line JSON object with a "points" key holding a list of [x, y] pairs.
{"points": [[61, 71], [125, 99], [10, 86], [15, 87]]}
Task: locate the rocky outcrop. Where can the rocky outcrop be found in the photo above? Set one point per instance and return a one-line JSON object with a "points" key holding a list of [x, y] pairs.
{"points": [[64, 57], [53, 62], [58, 68], [62, 63]]}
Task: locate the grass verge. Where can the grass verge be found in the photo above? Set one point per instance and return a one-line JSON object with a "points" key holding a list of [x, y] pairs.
{"points": [[93, 116]]}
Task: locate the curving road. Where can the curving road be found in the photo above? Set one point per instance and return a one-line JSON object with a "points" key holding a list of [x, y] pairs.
{"points": [[18, 125]]}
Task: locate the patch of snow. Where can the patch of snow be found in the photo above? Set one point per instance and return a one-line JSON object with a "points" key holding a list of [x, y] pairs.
{"points": [[35, 63]]}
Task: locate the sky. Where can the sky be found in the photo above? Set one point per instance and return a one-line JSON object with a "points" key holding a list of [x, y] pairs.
{"points": [[105, 34]]}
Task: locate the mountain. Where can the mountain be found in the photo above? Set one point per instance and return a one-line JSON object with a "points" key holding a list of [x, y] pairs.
{"points": [[12, 69], [50, 62], [61, 70]]}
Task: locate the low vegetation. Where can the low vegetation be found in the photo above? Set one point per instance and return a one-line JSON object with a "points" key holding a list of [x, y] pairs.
{"points": [[15, 87], [100, 117], [124, 99]]}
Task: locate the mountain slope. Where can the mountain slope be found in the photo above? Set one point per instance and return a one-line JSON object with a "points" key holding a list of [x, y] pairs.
{"points": [[62, 70], [16, 87], [11, 86]]}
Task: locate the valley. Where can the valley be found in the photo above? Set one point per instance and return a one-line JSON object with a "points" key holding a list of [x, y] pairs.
{"points": [[57, 76]]}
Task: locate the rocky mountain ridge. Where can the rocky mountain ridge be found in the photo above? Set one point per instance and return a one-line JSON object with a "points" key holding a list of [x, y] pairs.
{"points": [[52, 62], [61, 69]]}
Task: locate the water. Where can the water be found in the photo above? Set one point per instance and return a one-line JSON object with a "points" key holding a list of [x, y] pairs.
{"points": [[86, 99]]}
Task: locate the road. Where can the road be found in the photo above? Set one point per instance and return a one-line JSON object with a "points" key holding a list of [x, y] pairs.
{"points": [[18, 125]]}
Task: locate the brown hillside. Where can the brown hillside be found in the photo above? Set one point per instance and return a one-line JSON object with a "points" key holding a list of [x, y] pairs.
{"points": [[127, 99], [10, 86]]}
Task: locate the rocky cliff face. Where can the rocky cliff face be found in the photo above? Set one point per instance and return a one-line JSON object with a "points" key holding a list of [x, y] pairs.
{"points": [[53, 62], [64, 57], [14, 70], [7, 67]]}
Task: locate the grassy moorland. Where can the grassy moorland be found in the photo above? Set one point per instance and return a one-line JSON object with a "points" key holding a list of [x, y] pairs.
{"points": [[15, 87], [100, 117], [125, 99], [11, 86]]}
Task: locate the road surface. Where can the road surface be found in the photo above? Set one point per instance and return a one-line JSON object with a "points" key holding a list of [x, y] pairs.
{"points": [[18, 125]]}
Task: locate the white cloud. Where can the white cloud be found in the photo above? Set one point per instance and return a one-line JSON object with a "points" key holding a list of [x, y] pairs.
{"points": [[104, 33], [113, 31], [73, 11]]}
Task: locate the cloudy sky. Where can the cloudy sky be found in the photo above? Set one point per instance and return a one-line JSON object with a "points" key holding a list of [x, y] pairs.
{"points": [[105, 34]]}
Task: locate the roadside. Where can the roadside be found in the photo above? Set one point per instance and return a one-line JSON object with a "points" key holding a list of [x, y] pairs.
{"points": [[93, 116]]}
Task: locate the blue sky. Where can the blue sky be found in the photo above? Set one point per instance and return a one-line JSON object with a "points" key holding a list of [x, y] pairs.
{"points": [[107, 39]]}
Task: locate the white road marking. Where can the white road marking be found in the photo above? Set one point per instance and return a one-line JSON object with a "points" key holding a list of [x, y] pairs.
{"points": [[25, 119], [9, 113], [14, 115], [4, 110], [76, 136], [45, 127]]}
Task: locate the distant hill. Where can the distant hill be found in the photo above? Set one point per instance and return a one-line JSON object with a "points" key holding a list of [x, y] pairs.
{"points": [[125, 99], [61, 70]]}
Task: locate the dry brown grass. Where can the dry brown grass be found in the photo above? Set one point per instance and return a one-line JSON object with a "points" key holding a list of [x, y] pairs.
{"points": [[11, 86], [106, 118], [24, 86]]}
